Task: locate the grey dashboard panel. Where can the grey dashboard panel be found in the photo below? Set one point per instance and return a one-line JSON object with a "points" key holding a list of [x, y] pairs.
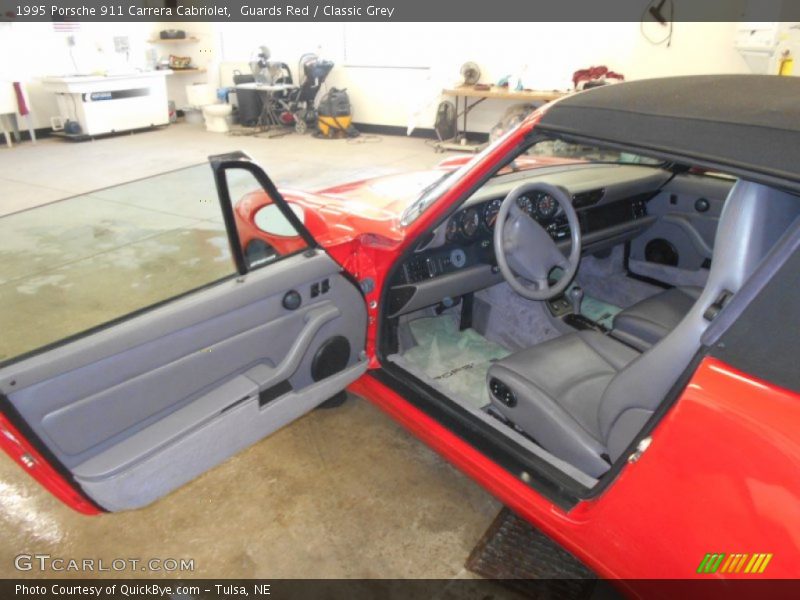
{"points": [[611, 236], [619, 180], [426, 293], [105, 402]]}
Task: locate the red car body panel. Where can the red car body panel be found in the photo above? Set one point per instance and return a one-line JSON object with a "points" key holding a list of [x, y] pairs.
{"points": [[26, 456], [721, 474]]}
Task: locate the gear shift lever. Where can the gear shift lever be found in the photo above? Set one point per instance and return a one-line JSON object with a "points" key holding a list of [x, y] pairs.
{"points": [[576, 297]]}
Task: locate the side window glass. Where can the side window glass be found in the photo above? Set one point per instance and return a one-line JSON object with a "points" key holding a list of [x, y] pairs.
{"points": [[78, 264]]}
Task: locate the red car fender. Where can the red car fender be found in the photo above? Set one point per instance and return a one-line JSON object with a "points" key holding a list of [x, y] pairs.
{"points": [[29, 459]]}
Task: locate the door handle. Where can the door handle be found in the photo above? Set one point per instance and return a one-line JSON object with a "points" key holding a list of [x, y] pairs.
{"points": [[265, 375]]}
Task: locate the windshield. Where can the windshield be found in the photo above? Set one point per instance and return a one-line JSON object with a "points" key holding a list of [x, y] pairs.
{"points": [[426, 198], [544, 153], [557, 151], [432, 192]]}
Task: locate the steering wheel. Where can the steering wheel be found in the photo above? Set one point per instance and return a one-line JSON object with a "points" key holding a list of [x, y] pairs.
{"points": [[525, 251]]}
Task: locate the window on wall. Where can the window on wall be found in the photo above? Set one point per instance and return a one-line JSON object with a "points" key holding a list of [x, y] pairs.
{"points": [[388, 45]]}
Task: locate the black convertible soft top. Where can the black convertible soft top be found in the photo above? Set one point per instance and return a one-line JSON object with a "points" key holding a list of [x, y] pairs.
{"points": [[749, 124]]}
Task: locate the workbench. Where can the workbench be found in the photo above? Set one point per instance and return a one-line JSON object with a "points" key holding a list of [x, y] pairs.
{"points": [[479, 95]]}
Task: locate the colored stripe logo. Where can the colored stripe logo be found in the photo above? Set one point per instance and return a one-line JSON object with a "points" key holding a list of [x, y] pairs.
{"points": [[719, 562]]}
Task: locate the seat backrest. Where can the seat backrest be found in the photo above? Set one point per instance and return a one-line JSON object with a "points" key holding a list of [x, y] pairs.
{"points": [[752, 220]]}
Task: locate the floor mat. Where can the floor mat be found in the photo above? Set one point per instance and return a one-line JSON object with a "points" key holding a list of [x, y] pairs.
{"points": [[527, 561], [457, 360]]}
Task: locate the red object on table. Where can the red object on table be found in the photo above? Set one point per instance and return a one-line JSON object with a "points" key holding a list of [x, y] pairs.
{"points": [[593, 74]]}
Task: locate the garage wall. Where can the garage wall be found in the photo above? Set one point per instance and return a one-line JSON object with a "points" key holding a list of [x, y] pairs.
{"points": [[391, 70], [544, 54]]}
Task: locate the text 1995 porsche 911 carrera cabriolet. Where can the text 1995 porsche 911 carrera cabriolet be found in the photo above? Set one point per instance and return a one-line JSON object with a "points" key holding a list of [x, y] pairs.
{"points": [[596, 318]]}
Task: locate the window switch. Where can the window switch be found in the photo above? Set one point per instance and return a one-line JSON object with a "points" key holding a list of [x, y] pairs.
{"points": [[326, 285], [314, 290]]}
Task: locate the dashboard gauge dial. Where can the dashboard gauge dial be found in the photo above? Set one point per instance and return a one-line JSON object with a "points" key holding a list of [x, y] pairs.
{"points": [[490, 213], [470, 222], [546, 206], [526, 204], [453, 227]]}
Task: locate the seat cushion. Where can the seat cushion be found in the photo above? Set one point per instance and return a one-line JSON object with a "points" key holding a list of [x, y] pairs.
{"points": [[558, 386], [645, 323]]}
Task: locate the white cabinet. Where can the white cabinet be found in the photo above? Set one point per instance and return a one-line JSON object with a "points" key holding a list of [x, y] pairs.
{"points": [[112, 103]]}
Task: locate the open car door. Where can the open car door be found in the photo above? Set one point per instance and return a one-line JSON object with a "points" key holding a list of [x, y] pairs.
{"points": [[121, 414]]}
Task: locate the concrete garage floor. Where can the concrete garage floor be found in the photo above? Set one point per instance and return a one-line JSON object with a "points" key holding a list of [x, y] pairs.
{"points": [[340, 493]]}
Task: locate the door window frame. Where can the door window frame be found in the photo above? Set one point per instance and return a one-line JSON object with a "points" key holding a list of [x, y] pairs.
{"points": [[220, 165]]}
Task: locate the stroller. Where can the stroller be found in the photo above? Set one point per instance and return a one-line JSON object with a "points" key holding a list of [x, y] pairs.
{"points": [[301, 101], [294, 106]]}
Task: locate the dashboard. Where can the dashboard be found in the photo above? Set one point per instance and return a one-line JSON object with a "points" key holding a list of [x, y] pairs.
{"points": [[467, 224], [458, 256]]}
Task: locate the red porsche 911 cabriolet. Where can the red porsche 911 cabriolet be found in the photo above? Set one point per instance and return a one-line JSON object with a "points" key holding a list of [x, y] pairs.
{"points": [[596, 318]]}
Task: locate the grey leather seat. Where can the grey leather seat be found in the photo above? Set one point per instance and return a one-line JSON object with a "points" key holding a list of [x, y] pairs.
{"points": [[584, 396], [647, 322], [559, 386]]}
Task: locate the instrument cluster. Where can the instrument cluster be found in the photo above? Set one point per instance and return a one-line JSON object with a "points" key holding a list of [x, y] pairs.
{"points": [[467, 225]]}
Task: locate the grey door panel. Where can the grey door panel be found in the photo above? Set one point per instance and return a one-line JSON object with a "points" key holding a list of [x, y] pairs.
{"points": [[673, 276], [678, 222], [165, 431], [209, 444], [110, 402], [126, 404]]}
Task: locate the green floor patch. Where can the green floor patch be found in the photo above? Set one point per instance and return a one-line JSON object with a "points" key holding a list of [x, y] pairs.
{"points": [[457, 360], [599, 311]]}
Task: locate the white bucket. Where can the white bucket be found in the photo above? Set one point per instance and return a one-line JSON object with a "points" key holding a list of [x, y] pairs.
{"points": [[193, 116]]}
